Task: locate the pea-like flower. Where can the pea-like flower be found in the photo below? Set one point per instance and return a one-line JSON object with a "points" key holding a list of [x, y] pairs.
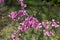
{"points": [[17, 15], [21, 13], [29, 21], [48, 32], [13, 15], [14, 35], [35, 23], [46, 24], [23, 5], [54, 23], [23, 27]]}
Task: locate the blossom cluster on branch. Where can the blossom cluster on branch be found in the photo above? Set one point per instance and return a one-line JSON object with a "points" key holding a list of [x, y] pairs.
{"points": [[34, 23], [17, 15], [31, 21]]}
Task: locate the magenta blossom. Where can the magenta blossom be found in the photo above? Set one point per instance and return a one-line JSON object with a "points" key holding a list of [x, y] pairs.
{"points": [[19, 0], [13, 15], [23, 5], [34, 22], [37, 25], [17, 15], [29, 21], [46, 24], [21, 13], [14, 35], [54, 23], [48, 33], [23, 27], [1, 1]]}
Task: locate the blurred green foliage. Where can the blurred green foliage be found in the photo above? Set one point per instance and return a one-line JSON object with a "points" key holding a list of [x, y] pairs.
{"points": [[33, 2]]}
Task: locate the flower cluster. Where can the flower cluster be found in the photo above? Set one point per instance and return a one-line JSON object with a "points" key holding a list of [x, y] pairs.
{"points": [[17, 15], [19, 0], [29, 22], [47, 25], [2, 1], [54, 23], [34, 23], [14, 35], [22, 4], [48, 32]]}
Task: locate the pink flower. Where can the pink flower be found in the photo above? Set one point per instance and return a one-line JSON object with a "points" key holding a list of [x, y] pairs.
{"points": [[13, 15], [47, 33], [29, 21], [54, 23], [33, 22], [14, 35], [46, 24], [23, 27], [23, 5], [1, 1], [16, 38], [37, 25], [21, 13], [19, 0], [17, 15]]}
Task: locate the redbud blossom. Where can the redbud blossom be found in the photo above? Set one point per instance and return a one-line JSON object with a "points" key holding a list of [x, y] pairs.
{"points": [[35, 23], [47, 33], [21, 13], [23, 27], [17, 15], [46, 24], [54, 23], [14, 35], [19, 0], [29, 21], [23, 5], [13, 15]]}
